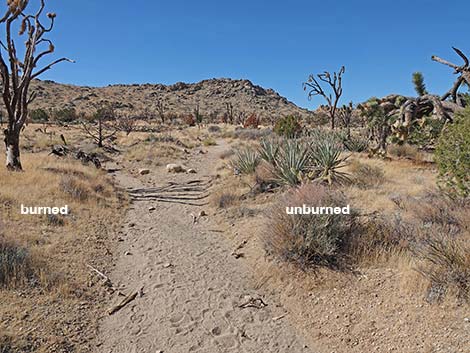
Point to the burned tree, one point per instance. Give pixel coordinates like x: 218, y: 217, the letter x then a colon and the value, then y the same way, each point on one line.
x: 17, y: 73
x: 335, y: 88
x: 102, y: 125
x: 464, y: 76
x: 161, y: 110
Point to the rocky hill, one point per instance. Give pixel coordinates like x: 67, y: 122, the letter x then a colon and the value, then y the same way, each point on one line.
x: 211, y: 96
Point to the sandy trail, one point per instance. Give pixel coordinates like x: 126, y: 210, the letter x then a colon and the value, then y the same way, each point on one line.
x: 194, y: 304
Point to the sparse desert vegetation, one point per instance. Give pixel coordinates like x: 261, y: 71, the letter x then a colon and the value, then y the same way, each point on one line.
x: 220, y: 217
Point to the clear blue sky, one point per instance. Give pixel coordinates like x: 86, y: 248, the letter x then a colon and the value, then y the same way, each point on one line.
x: 273, y: 43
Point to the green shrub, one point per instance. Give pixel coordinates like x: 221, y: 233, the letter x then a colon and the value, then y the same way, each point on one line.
x: 38, y: 115
x: 453, y: 155
x: 64, y: 115
x: 246, y: 160
x: 288, y: 126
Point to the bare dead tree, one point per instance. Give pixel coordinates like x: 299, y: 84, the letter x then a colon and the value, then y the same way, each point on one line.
x: 229, y: 116
x: 331, y: 95
x: 17, y: 73
x: 102, y: 125
x: 161, y: 109
x: 464, y: 76
x: 126, y: 123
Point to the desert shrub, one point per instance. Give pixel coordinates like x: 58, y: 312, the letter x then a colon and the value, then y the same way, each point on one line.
x: 224, y: 199
x: 38, y: 115
x: 226, y: 154
x: 189, y: 120
x: 453, y: 155
x: 309, y: 240
x: 288, y: 126
x: 403, y: 151
x: 209, y: 142
x: 365, y: 176
x: 214, y: 129
x: 446, y: 265
x: 246, y: 160
x: 379, y: 237
x: 64, y: 115
x: 16, y: 265
x: 74, y: 188
x: 251, y: 122
x: 250, y: 134
x: 356, y: 143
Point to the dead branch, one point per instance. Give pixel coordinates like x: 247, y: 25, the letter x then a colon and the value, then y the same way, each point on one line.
x: 462, y: 70
x: 332, y: 95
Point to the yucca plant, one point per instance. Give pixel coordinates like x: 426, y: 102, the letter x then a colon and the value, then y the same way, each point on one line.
x: 246, y: 160
x: 356, y: 143
x: 327, y: 161
x: 293, y: 162
x: 269, y: 150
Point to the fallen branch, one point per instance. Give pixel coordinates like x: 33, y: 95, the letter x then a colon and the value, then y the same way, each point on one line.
x: 124, y: 302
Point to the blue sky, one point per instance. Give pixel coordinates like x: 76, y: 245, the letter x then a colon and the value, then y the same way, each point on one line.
x: 274, y: 43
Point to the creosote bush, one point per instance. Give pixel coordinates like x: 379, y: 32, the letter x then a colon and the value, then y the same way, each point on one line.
x: 310, y: 240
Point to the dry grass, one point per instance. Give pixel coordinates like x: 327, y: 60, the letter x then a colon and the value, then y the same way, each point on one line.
x: 366, y: 176
x: 404, y: 151
x: 44, y: 258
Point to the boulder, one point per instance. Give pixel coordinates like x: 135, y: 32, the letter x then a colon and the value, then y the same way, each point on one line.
x: 175, y: 168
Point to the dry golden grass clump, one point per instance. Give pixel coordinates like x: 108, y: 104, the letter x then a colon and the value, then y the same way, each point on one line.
x: 365, y: 175
x: 44, y: 257
x: 404, y: 151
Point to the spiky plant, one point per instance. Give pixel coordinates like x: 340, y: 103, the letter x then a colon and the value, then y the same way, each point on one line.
x: 356, y: 143
x: 245, y: 161
x: 269, y: 150
x: 327, y: 161
x: 293, y: 162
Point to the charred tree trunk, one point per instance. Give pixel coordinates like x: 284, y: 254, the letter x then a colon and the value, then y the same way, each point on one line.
x: 12, y: 147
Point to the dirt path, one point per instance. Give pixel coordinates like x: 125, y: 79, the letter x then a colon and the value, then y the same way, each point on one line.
x: 192, y: 286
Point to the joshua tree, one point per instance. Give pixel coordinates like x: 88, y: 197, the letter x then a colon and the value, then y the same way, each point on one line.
x: 334, y: 82
x: 17, y: 73
x: 418, y: 82
x: 345, y: 114
x: 464, y: 76
x: 161, y: 108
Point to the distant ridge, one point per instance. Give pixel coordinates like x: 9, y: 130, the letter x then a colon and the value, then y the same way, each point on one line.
x: 211, y: 95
